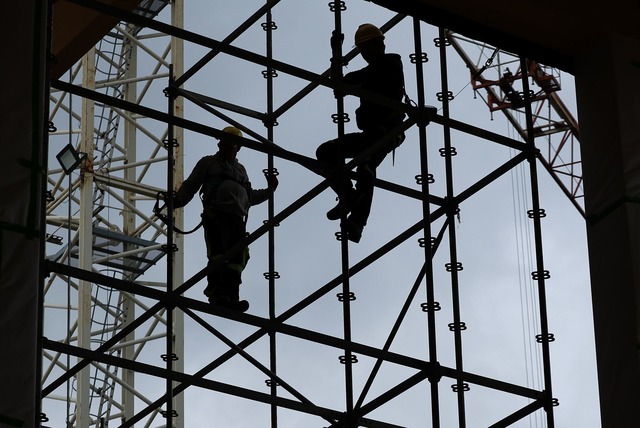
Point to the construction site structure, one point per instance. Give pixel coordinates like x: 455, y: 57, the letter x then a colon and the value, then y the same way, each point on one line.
x: 118, y: 322
x: 119, y: 304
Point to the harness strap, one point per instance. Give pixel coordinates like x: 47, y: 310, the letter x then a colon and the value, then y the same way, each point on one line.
x: 157, y: 210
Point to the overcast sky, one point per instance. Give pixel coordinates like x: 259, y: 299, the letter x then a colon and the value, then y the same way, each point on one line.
x: 494, y: 243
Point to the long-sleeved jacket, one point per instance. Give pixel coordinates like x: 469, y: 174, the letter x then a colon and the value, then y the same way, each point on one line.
x: 384, y: 76
x: 223, y: 185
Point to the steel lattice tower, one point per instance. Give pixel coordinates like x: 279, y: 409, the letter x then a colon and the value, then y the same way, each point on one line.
x: 108, y: 224
x: 108, y: 356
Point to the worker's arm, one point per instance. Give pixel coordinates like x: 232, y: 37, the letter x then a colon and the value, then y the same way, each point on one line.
x: 258, y: 196
x: 192, y: 184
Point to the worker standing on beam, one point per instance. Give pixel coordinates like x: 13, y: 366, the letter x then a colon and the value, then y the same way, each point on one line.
x: 382, y: 76
x: 226, y: 195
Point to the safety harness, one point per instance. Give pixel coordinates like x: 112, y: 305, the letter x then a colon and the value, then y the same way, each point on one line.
x: 209, y: 188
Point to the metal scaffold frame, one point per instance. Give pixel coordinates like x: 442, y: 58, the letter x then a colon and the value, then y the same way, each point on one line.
x: 98, y: 371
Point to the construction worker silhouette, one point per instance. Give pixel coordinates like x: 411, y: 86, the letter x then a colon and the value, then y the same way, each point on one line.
x: 382, y: 76
x: 226, y: 195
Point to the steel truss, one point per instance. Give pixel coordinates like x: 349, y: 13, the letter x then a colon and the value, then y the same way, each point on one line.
x: 110, y: 373
x: 108, y: 225
x: 494, y: 73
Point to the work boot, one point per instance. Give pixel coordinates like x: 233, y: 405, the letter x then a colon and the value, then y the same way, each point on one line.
x: 234, y: 303
x: 217, y: 296
x: 352, y: 229
x: 348, y: 201
x: 239, y: 305
x: 225, y: 301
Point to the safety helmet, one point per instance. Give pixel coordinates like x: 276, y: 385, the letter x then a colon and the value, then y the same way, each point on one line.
x: 366, y: 32
x: 224, y: 142
x: 232, y: 130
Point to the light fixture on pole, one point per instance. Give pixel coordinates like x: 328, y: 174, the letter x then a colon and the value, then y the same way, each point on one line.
x: 69, y: 159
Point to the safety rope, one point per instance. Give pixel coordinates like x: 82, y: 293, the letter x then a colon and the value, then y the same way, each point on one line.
x: 529, y: 313
x: 157, y: 210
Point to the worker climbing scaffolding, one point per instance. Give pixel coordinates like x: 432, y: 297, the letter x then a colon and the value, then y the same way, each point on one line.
x: 382, y: 76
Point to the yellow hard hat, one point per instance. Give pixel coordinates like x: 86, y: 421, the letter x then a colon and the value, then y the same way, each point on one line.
x: 232, y: 130
x: 366, y: 32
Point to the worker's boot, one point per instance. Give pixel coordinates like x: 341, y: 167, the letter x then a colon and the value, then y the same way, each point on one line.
x: 214, y: 291
x: 217, y: 296
x: 233, y: 294
x: 348, y: 201
x: 352, y: 229
x: 231, y: 291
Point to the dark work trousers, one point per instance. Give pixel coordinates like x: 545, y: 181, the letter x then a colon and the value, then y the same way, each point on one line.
x: 334, y: 152
x: 222, y: 231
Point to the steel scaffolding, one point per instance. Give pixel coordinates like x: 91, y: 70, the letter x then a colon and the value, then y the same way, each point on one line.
x: 111, y: 313
x: 108, y: 226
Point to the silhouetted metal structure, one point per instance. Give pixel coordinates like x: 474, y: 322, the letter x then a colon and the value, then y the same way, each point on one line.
x: 553, y: 122
x: 101, y: 354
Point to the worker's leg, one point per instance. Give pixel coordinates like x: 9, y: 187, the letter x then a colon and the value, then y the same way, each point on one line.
x: 333, y: 157
x: 365, y: 183
x: 366, y: 176
x: 333, y: 153
x: 235, y: 232
x: 365, y: 180
x: 222, y: 232
x: 361, y: 203
x: 213, y: 234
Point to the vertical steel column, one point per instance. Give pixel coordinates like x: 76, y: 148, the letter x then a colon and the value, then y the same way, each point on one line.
x: 454, y: 266
x: 177, y: 62
x: 68, y: 281
x: 424, y: 179
x: 169, y: 355
x: 337, y: 7
x: 83, y: 404
x: 272, y: 275
x: 129, y: 226
x: 540, y: 274
x: 39, y: 415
